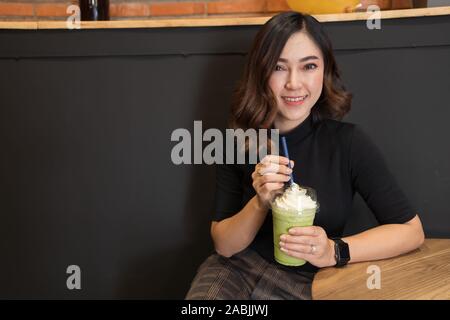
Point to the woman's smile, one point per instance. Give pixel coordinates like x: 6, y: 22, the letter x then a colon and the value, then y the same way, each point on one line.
x: 294, y: 100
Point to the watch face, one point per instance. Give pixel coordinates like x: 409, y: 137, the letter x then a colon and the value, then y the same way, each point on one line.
x: 342, y: 254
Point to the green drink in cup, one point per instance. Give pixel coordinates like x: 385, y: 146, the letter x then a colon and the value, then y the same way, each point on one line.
x: 296, y: 207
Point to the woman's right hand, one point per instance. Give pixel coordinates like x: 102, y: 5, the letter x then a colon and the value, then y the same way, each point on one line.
x: 269, y: 178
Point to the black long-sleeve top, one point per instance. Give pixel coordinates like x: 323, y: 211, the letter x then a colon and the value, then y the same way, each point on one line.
x: 336, y: 159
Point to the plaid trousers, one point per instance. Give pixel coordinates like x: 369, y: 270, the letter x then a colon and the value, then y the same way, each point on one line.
x: 248, y: 276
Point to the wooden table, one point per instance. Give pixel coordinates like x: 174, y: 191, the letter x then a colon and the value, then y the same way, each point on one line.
x: 421, y: 274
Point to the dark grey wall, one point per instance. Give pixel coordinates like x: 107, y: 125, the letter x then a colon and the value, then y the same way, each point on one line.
x: 437, y: 3
x: 85, y: 124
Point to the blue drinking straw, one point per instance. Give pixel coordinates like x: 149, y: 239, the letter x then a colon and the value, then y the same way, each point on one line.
x: 286, y: 154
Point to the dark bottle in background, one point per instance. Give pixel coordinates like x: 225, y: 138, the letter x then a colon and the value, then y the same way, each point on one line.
x: 93, y: 10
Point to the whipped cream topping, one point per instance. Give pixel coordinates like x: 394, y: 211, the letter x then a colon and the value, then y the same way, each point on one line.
x: 295, y: 198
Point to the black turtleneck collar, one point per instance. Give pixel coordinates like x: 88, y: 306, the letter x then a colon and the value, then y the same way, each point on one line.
x: 299, y: 132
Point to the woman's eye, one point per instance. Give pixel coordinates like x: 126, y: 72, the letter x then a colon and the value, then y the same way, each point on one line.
x: 310, y: 66
x: 279, y: 68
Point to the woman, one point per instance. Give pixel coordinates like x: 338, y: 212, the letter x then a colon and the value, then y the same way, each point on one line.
x: 291, y: 83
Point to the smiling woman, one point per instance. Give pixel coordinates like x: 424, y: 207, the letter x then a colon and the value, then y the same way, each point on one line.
x: 300, y: 56
x: 291, y: 83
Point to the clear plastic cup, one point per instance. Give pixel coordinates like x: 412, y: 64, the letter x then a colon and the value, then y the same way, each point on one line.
x: 292, y: 213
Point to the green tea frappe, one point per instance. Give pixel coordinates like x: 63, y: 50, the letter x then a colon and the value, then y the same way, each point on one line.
x: 296, y: 207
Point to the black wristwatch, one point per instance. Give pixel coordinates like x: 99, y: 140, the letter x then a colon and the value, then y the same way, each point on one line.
x: 341, y: 252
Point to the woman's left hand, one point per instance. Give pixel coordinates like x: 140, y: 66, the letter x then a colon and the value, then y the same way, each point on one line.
x: 309, y: 243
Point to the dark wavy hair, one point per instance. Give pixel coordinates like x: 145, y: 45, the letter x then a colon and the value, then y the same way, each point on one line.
x: 254, y: 104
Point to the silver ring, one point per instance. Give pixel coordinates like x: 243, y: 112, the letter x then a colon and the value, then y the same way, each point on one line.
x: 313, y: 249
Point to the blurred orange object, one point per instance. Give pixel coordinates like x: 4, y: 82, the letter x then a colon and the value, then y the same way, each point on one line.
x: 402, y: 4
x: 323, y: 6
